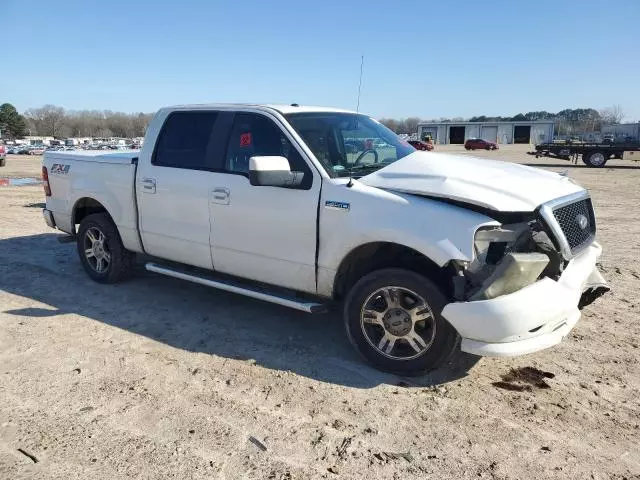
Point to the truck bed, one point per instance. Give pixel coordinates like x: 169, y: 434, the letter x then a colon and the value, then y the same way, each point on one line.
x: 106, y: 177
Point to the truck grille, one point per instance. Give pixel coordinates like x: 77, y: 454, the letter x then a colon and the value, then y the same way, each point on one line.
x: 577, y: 222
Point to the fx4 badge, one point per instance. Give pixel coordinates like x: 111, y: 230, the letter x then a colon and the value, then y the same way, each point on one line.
x: 60, y: 169
x: 333, y: 205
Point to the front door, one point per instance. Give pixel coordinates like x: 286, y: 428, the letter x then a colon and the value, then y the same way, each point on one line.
x: 266, y: 234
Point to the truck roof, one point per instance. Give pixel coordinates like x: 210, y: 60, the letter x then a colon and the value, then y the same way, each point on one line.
x: 283, y: 109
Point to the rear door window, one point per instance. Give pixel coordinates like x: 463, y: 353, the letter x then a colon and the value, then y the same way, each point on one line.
x: 187, y: 141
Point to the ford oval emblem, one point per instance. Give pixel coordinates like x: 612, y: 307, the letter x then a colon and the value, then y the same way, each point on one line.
x: 582, y: 220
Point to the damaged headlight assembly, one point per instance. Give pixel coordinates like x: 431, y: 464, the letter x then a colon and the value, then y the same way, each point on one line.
x: 507, y: 259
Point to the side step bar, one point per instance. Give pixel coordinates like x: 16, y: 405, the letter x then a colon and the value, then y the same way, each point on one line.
x: 309, y: 307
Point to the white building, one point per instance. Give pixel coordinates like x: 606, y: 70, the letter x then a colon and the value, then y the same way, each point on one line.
x: 500, y: 132
x: 36, y: 140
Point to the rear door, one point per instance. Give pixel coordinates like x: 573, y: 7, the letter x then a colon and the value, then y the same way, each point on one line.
x: 174, y: 187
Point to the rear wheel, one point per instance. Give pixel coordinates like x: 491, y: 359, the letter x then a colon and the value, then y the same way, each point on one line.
x: 594, y: 159
x: 101, y: 252
x: 393, y: 319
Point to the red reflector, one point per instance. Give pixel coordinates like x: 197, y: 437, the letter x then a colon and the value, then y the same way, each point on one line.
x: 45, y: 182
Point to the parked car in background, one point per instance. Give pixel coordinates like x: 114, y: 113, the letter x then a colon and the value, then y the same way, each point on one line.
x: 3, y: 155
x: 479, y: 144
x: 36, y: 150
x: 420, y: 145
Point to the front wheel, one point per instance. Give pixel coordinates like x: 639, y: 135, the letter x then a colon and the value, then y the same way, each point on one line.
x: 393, y: 319
x: 101, y: 251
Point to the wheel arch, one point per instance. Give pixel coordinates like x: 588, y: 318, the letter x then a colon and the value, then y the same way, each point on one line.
x: 84, y: 207
x: 372, y: 256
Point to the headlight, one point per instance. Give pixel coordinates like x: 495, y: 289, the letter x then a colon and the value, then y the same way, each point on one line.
x: 505, y: 261
x: 490, y: 244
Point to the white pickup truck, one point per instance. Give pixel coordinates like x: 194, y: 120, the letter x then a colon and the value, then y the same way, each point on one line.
x: 308, y: 207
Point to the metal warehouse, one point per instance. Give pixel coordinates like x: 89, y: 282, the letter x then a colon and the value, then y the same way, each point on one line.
x: 499, y: 132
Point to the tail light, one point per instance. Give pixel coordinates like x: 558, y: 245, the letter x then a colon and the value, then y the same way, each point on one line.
x: 45, y: 181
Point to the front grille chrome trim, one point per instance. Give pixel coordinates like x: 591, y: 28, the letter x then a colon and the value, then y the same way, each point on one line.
x: 546, y: 212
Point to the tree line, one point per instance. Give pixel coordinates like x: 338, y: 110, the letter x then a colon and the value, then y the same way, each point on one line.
x: 54, y: 121
x: 568, y: 121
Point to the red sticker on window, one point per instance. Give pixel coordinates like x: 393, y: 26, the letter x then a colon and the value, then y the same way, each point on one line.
x: 245, y: 139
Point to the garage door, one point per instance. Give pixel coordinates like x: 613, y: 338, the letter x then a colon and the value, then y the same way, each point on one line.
x: 490, y: 134
x: 456, y: 135
x: 522, y: 134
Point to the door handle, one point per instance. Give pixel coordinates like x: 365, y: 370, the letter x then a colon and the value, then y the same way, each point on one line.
x: 148, y: 185
x: 221, y: 195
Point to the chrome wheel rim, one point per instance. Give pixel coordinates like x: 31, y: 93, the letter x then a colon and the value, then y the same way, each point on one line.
x: 398, y: 323
x: 96, y: 250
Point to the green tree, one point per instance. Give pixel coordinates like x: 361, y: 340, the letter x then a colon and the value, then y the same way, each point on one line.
x: 12, y: 124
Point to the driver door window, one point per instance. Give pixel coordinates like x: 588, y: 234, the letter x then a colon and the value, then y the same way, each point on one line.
x: 254, y: 135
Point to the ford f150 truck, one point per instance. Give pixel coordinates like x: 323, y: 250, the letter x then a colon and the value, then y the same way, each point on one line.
x: 309, y: 207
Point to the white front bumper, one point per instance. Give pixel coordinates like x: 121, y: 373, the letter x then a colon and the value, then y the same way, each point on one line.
x: 531, y: 319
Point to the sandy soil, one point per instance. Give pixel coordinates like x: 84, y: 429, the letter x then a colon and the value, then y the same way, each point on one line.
x: 157, y: 378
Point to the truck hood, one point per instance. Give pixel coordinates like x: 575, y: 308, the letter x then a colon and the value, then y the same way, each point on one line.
x: 492, y: 184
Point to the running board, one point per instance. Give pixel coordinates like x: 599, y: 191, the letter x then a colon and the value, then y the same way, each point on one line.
x: 309, y: 307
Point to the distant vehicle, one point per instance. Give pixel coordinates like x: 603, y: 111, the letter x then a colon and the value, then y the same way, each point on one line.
x: 37, y: 150
x: 3, y: 155
x: 14, y: 150
x: 592, y: 154
x: 420, y: 145
x: 479, y: 144
x: 24, y: 150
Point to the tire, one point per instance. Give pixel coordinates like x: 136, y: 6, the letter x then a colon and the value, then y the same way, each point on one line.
x: 3, y: 162
x: 100, y: 228
x: 594, y: 159
x: 370, y: 332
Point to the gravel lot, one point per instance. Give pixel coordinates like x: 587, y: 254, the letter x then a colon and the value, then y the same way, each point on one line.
x: 158, y: 378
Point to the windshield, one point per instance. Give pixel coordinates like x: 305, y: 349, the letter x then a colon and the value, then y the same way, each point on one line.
x: 348, y: 143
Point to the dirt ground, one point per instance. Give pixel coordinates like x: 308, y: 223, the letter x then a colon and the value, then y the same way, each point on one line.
x: 158, y: 378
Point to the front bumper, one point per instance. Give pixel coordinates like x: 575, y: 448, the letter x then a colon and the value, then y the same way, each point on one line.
x: 534, y: 318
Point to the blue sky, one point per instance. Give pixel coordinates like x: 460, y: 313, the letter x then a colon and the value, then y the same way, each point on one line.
x: 428, y: 58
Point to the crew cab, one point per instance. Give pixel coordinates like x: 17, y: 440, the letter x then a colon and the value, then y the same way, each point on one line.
x: 314, y: 207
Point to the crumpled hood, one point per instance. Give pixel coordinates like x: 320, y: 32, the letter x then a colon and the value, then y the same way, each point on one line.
x: 496, y: 185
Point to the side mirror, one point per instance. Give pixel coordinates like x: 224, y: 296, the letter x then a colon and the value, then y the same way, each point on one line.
x: 273, y: 172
